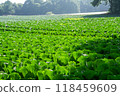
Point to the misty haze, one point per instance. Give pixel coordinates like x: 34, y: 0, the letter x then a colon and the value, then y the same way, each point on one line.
x: 42, y: 7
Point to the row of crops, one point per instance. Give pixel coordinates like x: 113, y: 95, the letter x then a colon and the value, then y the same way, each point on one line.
x: 66, y: 48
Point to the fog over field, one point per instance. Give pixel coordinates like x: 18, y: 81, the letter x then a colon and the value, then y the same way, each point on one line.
x: 48, y: 7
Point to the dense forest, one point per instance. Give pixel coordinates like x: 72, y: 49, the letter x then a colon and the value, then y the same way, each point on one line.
x: 41, y: 7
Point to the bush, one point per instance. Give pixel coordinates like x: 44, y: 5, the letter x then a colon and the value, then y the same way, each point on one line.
x: 49, y: 13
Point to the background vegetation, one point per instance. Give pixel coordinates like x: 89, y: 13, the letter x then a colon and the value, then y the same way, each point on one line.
x: 40, y: 7
x: 114, y: 5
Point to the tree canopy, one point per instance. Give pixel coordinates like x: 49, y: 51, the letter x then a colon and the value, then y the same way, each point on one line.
x: 38, y: 7
x: 114, y: 5
x: 41, y: 7
x: 86, y: 6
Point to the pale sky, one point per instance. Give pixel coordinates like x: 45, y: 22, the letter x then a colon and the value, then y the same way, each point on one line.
x: 16, y: 1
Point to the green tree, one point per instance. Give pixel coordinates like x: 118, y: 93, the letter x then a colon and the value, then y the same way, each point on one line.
x: 1, y: 9
x: 114, y: 5
x: 38, y: 7
x: 38, y: 1
x: 33, y: 7
x: 86, y: 6
x: 64, y: 6
x: 28, y: 7
x: 8, y: 8
x: 18, y: 8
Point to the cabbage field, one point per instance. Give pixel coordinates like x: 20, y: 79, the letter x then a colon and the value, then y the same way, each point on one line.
x: 59, y: 48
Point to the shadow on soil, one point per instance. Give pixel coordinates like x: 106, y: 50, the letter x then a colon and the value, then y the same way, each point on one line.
x: 101, y: 15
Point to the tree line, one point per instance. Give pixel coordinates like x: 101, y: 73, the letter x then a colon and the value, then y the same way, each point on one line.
x: 86, y: 6
x: 41, y: 7
x: 114, y: 5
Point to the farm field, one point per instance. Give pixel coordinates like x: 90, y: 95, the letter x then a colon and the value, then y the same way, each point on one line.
x: 59, y: 48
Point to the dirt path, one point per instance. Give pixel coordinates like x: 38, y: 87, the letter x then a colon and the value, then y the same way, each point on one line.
x: 90, y: 13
